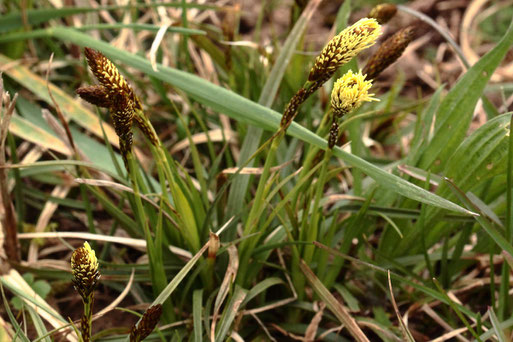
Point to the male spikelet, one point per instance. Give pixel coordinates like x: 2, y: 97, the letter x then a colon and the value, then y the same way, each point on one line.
x: 383, y: 13
x: 389, y: 52
x: 349, y: 92
x: 117, y: 95
x: 147, y: 323
x: 84, y: 267
x: 339, y: 50
x: 343, y: 47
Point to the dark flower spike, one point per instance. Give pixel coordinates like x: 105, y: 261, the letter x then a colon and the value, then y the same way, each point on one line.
x: 113, y: 93
x: 383, y: 13
x: 389, y: 52
x: 148, y: 322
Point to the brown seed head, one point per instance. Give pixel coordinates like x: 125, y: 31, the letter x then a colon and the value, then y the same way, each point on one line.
x: 343, y: 47
x: 389, y: 52
x: 383, y: 13
x: 84, y: 267
x: 148, y: 322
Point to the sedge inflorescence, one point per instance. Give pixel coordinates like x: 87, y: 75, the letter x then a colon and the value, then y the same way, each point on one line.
x: 389, y: 52
x: 349, y: 93
x: 343, y: 47
x: 115, y: 94
x: 339, y: 50
x: 84, y: 268
x: 383, y: 12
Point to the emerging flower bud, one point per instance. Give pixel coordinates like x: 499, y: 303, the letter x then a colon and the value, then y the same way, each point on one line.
x: 148, y: 322
x: 389, y: 52
x: 84, y: 267
x: 343, y: 47
x: 383, y: 13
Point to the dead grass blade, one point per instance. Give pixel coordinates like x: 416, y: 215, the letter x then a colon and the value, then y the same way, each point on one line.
x: 224, y: 289
x: 406, y: 333
x: 11, y: 244
x: 333, y: 304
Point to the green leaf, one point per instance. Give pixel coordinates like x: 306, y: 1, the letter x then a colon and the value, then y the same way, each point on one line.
x: 456, y: 110
x: 242, y: 109
x: 482, y: 155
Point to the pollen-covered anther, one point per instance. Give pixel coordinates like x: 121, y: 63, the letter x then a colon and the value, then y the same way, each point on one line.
x: 84, y: 267
x: 343, y: 47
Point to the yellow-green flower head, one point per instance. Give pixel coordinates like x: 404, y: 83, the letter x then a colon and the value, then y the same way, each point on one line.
x: 84, y: 267
x: 349, y: 92
x: 343, y: 47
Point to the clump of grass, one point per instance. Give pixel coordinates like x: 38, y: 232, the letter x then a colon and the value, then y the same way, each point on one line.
x: 349, y: 191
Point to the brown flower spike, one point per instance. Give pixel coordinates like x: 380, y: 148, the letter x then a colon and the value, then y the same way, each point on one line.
x: 389, y: 52
x: 113, y: 93
x: 383, y: 13
x: 148, y: 322
x: 84, y: 267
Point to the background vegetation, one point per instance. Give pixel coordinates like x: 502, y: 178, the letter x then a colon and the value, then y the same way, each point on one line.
x: 404, y: 233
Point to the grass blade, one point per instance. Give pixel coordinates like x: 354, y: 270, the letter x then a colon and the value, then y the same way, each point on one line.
x: 333, y: 304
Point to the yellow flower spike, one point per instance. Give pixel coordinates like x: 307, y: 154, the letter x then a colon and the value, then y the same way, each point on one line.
x: 349, y: 92
x: 84, y: 267
x: 343, y: 47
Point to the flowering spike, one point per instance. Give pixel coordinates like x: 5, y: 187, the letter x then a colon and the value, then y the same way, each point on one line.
x: 148, y: 322
x: 383, y: 13
x: 114, y: 93
x: 84, y: 267
x: 349, y: 92
x: 343, y: 47
x: 389, y: 52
